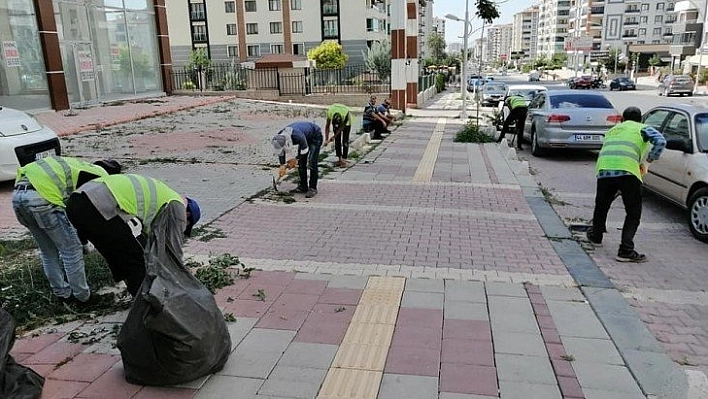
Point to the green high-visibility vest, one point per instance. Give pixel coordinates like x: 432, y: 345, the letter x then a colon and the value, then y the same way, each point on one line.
x: 340, y: 109
x: 54, y: 178
x: 140, y: 196
x: 516, y: 102
x: 623, y: 148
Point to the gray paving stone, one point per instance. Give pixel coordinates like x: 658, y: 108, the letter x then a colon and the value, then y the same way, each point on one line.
x: 630, y: 333
x: 451, y: 395
x: 592, y: 350
x: 520, y: 368
x: 250, y: 364
x: 591, y: 393
x: 423, y: 300
x: 506, y: 289
x: 293, y: 382
x: 576, y: 319
x: 605, y: 376
x: 313, y: 276
x: 519, y: 344
x: 466, y: 310
x: 223, y: 386
x: 240, y: 328
x: 508, y: 305
x: 513, y: 322
x: 526, y: 390
x: 464, y: 291
x: 351, y: 282
x: 266, y: 340
x: 397, y: 386
x: 553, y: 293
x: 658, y: 374
x: 425, y: 285
x: 317, y: 356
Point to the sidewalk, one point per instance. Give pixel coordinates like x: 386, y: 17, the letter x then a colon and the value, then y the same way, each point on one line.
x: 429, y: 269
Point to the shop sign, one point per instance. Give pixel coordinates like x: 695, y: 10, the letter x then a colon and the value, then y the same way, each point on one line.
x: 12, y: 56
x: 86, y: 65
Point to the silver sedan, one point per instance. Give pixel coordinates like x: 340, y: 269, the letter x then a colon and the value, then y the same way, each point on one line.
x: 568, y: 119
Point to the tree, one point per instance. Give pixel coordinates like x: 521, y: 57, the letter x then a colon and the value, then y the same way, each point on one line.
x: 378, y: 58
x: 487, y: 10
x: 328, y: 55
x: 198, y: 58
x: 436, y: 43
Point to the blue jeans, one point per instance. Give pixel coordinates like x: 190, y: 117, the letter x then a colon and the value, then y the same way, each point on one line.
x: 311, y: 160
x: 59, y: 245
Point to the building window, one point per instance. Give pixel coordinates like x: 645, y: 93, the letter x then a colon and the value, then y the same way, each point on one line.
x: 196, y: 12
x: 658, y: 18
x: 199, y: 33
x: 250, y: 5
x: 643, y: 20
x: 297, y: 26
x: 643, y: 31
x: 276, y: 49
x: 329, y: 7
x: 276, y: 27
x: 229, y: 7
x: 296, y: 4
x: 298, y: 49
x: 274, y: 5
x: 251, y: 29
x: 230, y: 29
x: 659, y: 6
x: 254, y: 51
x: 645, y: 7
x: 330, y: 29
x: 657, y: 31
x: 232, y: 51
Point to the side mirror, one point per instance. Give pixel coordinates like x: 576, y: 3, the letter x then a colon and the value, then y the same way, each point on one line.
x: 682, y: 145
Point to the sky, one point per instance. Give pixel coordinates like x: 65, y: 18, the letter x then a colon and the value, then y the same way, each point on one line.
x: 453, y: 29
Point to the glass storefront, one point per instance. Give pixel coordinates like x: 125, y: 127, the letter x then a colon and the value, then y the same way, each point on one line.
x: 109, y: 49
x: 23, y: 78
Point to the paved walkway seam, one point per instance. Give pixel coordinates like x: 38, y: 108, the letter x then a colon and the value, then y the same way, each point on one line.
x: 426, y: 184
x: 424, y: 173
x: 488, y: 164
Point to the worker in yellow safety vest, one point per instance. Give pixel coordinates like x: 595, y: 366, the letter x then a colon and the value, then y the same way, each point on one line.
x: 117, y: 214
x: 518, y: 109
x: 39, y: 200
x: 339, y: 117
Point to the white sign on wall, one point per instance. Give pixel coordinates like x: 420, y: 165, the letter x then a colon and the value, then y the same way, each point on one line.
x: 12, y: 56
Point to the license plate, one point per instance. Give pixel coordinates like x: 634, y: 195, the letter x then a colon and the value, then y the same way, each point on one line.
x: 588, y: 137
x: 44, y: 154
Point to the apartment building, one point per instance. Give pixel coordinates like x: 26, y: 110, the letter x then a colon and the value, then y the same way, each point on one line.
x: 688, y: 29
x: 552, y: 26
x: 426, y: 26
x: 499, y: 40
x: 525, y: 34
x: 246, y: 30
x: 439, y: 25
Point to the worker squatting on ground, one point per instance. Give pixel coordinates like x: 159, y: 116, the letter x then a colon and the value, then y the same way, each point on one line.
x: 339, y: 117
x: 518, y: 110
x: 308, y: 137
x: 116, y: 214
x: 620, y: 171
x: 39, y: 201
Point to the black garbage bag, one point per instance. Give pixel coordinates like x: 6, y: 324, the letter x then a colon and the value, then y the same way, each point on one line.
x: 16, y: 381
x: 174, y: 333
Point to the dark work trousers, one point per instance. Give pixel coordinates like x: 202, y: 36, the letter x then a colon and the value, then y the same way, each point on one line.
x: 517, y: 115
x: 311, y: 161
x: 341, y: 143
x: 112, y: 239
x: 630, y: 188
x: 377, y: 127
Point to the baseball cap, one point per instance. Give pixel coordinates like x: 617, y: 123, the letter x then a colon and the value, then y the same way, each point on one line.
x: 195, y: 213
x: 111, y: 166
x: 280, y: 142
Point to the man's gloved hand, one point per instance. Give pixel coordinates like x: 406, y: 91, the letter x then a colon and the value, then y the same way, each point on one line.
x: 643, y: 169
x: 292, y: 163
x: 281, y: 171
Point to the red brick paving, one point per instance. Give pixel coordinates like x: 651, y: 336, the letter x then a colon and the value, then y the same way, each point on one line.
x: 418, y: 337
x: 413, y: 360
x: 177, y: 142
x: 165, y: 393
x: 340, y: 296
x: 85, y: 367
x: 55, y: 389
x: 110, y: 385
x: 34, y: 344
x: 469, y: 379
x: 467, y: 351
x: 55, y: 353
x: 322, y: 332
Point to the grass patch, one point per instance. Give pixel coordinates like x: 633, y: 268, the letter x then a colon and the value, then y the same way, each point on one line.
x: 354, y: 155
x: 216, y: 275
x: 551, y: 198
x: 27, y: 296
x: 206, y: 233
x: 470, y: 133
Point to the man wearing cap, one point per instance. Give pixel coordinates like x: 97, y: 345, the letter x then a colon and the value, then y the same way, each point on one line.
x: 116, y: 214
x: 308, y: 137
x: 339, y: 117
x: 39, y: 200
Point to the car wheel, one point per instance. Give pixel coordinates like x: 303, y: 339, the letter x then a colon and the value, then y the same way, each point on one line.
x: 698, y: 214
x: 535, y: 149
x: 689, y: 94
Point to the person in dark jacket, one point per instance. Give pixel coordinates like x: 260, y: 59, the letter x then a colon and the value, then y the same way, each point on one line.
x: 373, y: 121
x: 308, y: 138
x: 518, y: 110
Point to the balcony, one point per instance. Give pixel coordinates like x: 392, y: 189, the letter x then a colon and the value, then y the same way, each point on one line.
x: 686, y: 27
x: 330, y: 9
x: 629, y: 35
x: 330, y: 33
x: 667, y: 34
x: 597, y: 10
x: 197, y: 16
x: 199, y: 37
x: 630, y: 22
x: 632, y: 10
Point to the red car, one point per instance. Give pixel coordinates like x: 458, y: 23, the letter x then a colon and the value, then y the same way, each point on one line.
x: 581, y: 82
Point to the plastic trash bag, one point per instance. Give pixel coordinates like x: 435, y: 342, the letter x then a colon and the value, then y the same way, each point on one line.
x: 174, y: 333
x: 16, y: 381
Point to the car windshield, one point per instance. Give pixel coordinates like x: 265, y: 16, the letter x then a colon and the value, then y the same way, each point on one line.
x: 494, y: 88
x: 682, y: 79
x: 528, y: 94
x: 702, y: 131
x: 579, y: 101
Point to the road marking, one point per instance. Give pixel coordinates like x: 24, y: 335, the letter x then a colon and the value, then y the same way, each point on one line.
x: 424, y: 173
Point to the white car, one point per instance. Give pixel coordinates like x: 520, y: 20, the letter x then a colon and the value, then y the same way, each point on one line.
x: 23, y: 140
x: 528, y: 91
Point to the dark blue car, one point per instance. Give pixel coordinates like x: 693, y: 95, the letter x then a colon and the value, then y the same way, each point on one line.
x: 622, y: 83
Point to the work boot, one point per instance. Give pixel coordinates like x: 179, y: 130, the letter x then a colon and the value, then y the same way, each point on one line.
x: 630, y: 256
x: 593, y: 238
x: 299, y: 190
x: 311, y: 193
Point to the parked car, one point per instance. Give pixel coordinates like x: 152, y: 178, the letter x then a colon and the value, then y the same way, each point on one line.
x: 23, y: 140
x: 534, y: 76
x: 492, y: 93
x: 622, y: 83
x: 568, y: 119
x: 681, y: 174
x: 528, y: 91
x: 582, y: 82
x: 676, y: 84
x: 474, y: 82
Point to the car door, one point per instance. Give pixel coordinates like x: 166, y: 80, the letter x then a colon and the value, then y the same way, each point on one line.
x: 667, y: 175
x: 535, y: 108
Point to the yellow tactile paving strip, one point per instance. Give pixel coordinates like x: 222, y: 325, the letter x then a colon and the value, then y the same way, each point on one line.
x: 358, y: 366
x: 424, y: 173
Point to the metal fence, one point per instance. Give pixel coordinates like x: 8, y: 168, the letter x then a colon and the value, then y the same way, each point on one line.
x: 425, y: 82
x: 303, y: 81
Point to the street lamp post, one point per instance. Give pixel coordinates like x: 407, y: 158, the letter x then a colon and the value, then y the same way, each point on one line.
x: 463, y: 78
x: 700, y: 63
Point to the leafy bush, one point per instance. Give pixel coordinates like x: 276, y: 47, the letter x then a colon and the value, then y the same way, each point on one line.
x: 440, y: 82
x: 189, y: 85
x: 470, y: 133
